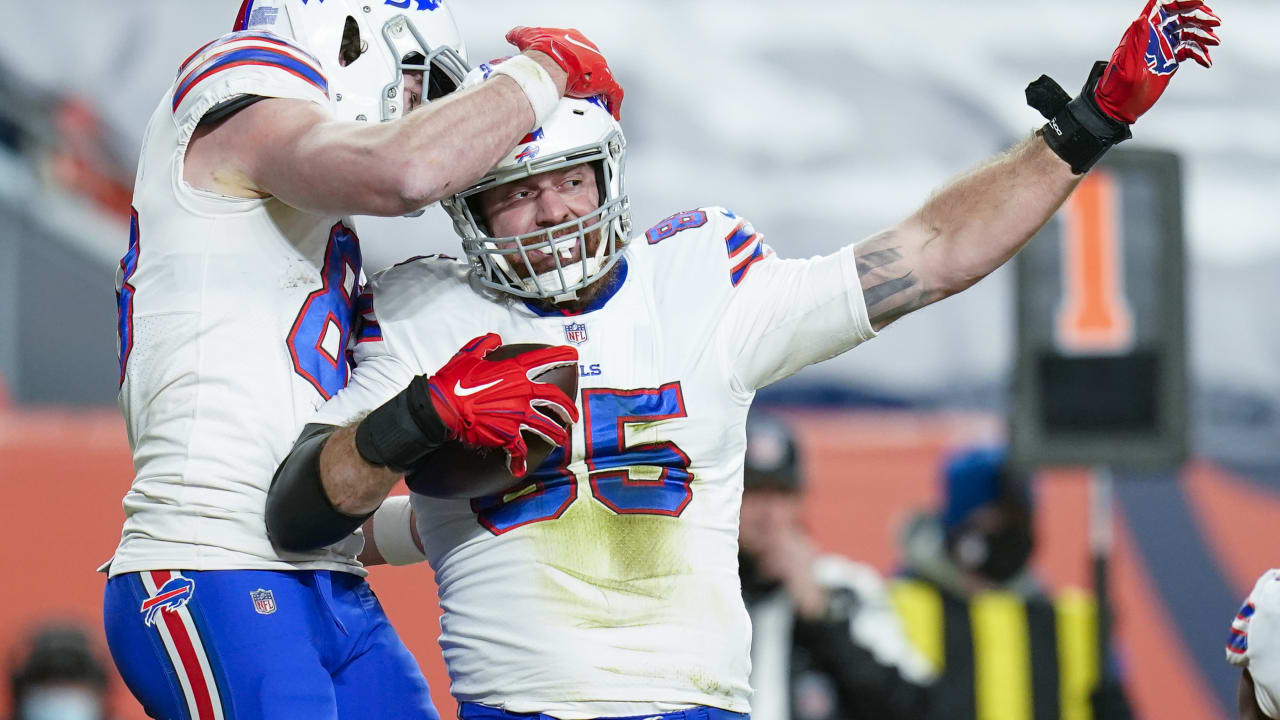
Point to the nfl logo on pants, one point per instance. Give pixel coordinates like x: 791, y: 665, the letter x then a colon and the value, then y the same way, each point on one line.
x: 263, y: 601
x: 576, y: 333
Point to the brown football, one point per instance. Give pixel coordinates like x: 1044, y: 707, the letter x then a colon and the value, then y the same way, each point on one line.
x: 459, y: 471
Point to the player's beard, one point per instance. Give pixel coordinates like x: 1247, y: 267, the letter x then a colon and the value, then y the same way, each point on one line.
x: 546, y: 263
x: 585, y: 296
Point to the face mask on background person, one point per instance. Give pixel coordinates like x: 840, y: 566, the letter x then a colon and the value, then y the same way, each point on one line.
x: 997, y: 555
x: 60, y: 703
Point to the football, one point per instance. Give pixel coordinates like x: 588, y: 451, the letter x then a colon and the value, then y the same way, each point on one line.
x: 458, y: 471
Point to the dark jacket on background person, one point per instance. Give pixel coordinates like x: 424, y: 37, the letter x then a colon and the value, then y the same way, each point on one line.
x: 853, y: 663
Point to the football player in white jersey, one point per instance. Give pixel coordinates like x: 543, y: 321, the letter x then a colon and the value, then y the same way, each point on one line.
x: 1254, y: 646
x: 605, y: 584
x: 237, y: 298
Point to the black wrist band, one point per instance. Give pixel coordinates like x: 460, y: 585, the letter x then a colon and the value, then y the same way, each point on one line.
x: 1078, y: 130
x: 403, y: 430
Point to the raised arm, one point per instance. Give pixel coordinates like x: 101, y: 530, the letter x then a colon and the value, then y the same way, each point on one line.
x: 979, y: 220
x: 965, y: 231
x: 292, y: 150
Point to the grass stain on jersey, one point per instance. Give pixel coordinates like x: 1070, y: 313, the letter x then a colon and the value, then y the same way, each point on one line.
x: 612, y: 570
x: 624, y: 586
x: 623, y: 582
x: 707, y: 686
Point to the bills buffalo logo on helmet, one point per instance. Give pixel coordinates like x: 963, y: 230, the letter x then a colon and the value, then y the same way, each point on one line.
x: 532, y: 150
x: 171, y: 597
x: 527, y: 153
x: 1162, y: 36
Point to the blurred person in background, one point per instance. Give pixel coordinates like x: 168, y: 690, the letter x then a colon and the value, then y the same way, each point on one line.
x: 59, y: 677
x: 1253, y: 645
x: 1002, y: 647
x: 236, y: 302
x: 826, y: 642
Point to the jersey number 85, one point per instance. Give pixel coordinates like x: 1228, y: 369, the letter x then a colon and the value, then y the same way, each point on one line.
x: 610, y: 463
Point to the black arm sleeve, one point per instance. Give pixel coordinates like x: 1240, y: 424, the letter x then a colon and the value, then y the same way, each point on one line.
x: 868, y: 689
x: 300, y: 517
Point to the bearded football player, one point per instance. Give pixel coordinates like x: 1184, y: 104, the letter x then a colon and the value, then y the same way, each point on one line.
x: 602, y: 582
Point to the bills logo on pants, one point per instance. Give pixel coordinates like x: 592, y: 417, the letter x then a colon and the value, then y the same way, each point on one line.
x: 171, y: 597
x: 166, y: 610
x: 314, y: 644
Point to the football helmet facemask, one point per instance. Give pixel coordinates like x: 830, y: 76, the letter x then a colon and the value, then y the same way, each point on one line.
x: 365, y: 47
x: 578, y: 131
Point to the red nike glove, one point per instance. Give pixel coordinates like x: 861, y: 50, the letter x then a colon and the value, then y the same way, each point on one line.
x: 488, y: 402
x: 1166, y: 33
x: 589, y: 74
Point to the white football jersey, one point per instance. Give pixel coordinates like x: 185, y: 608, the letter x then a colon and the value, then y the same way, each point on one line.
x: 234, y: 320
x: 608, y: 584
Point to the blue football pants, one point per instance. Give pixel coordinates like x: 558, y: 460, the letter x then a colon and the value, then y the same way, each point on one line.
x: 251, y: 644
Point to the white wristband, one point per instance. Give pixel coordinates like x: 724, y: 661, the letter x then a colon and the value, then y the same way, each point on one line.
x: 393, y: 532
x: 536, y: 83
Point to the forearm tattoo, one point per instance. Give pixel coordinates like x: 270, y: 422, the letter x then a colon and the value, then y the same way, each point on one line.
x: 889, y: 285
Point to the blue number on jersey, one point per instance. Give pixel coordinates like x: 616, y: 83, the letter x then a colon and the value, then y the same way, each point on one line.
x: 609, y: 458
x: 124, y: 296
x: 422, y: 4
x: 326, y: 311
x: 674, y: 224
x: 554, y: 490
x: 609, y: 464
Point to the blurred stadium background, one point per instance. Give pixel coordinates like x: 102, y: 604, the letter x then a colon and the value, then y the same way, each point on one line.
x: 822, y: 121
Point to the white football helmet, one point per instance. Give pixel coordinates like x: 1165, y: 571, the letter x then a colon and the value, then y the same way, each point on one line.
x: 578, y: 131
x: 366, y: 46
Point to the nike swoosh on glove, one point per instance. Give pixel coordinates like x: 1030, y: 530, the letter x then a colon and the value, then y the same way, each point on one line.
x: 488, y: 403
x: 589, y: 74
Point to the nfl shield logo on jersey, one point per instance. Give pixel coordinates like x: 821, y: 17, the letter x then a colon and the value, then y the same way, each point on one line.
x: 263, y: 601
x: 576, y: 333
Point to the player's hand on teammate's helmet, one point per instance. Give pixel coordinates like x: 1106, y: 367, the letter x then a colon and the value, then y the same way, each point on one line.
x: 589, y: 74
x: 1166, y: 33
x: 488, y: 403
